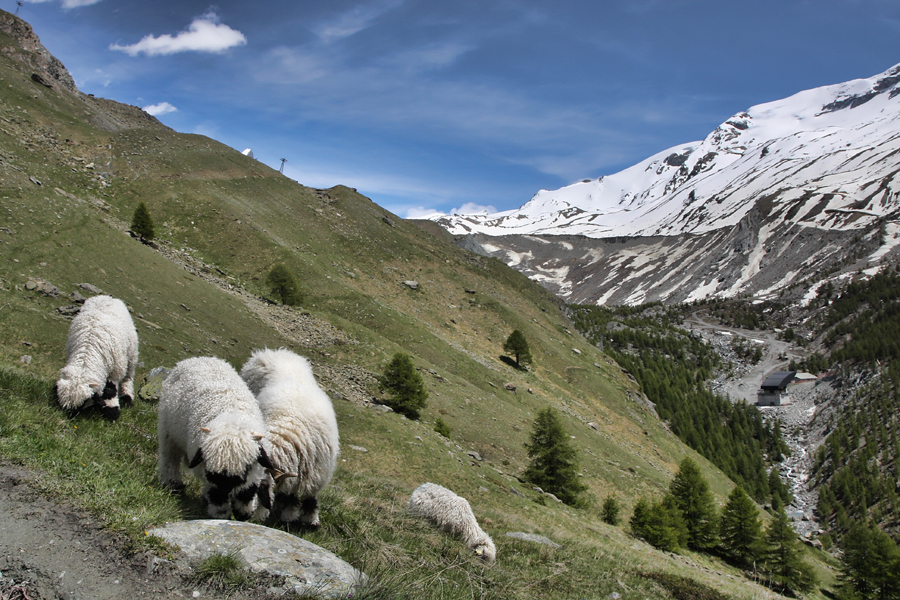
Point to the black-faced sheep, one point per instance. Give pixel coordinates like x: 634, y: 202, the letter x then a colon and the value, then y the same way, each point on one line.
x: 209, y: 419
x: 101, y: 355
x: 452, y: 514
x: 303, y: 432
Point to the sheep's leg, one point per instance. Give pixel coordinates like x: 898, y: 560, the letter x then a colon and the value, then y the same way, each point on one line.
x: 109, y: 402
x: 126, y: 388
x: 218, y: 505
x: 289, y: 506
x: 244, y: 502
x: 169, y: 466
x: 309, y: 509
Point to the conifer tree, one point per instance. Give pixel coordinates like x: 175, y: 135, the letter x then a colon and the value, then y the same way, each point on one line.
x: 406, y: 386
x: 693, y: 497
x: 142, y: 223
x: 517, y: 345
x: 782, y: 556
x: 554, y: 462
x: 740, y: 534
x: 283, y: 286
x: 659, y: 524
x: 610, y: 511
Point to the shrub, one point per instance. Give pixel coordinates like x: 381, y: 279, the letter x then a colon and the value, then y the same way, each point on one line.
x: 610, y: 511
x: 442, y: 428
x: 141, y: 223
x: 405, y: 385
x: 282, y: 285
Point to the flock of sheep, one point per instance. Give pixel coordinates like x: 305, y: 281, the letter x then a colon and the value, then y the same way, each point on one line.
x: 262, y: 441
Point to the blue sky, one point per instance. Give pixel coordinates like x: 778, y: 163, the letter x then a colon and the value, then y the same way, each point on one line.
x: 459, y: 105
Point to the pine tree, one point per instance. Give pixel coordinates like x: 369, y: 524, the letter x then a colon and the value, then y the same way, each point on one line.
x: 554, y: 462
x: 610, y: 511
x: 740, y: 533
x: 782, y: 556
x: 660, y: 524
x: 283, y: 286
x: 517, y: 345
x: 406, y: 386
x: 142, y: 223
x: 693, y: 497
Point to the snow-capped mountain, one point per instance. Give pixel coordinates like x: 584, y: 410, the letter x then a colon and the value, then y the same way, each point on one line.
x: 824, y: 160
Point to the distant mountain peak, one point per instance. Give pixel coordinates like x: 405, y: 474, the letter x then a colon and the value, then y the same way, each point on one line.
x: 833, y: 141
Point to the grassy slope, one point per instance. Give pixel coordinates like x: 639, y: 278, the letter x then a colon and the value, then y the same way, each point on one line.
x: 242, y: 217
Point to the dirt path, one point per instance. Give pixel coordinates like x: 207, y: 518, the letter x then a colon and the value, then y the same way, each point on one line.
x: 49, y: 550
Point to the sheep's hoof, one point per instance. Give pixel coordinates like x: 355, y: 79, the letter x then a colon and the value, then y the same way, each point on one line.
x: 126, y: 400
x: 110, y: 413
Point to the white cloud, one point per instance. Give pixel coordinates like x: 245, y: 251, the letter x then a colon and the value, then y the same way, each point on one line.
x: 204, y: 34
x: 163, y: 108
x: 471, y: 208
x: 353, y: 21
x: 68, y: 3
x: 420, y: 212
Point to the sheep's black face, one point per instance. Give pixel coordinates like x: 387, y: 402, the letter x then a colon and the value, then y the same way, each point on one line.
x: 224, y: 482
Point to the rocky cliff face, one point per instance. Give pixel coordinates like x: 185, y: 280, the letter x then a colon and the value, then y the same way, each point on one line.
x: 19, y: 43
x: 774, y: 195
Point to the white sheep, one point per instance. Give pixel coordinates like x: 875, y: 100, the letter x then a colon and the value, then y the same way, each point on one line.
x: 452, y: 514
x: 209, y: 419
x: 303, y: 432
x: 101, y: 355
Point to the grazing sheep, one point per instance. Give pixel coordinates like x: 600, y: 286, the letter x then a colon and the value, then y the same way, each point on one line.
x: 209, y: 419
x: 452, y: 513
x: 101, y: 355
x: 303, y: 432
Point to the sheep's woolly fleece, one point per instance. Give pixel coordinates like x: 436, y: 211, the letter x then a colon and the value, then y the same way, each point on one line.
x: 208, y: 393
x: 303, y: 431
x: 452, y: 513
x: 102, y: 347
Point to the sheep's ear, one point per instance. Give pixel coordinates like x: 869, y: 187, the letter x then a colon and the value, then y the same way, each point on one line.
x: 257, y: 436
x: 479, y: 551
x: 198, y: 458
x: 205, y: 429
x: 264, y: 459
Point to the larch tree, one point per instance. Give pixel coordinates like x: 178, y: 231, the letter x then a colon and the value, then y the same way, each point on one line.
x: 693, y: 497
x: 142, y: 223
x: 740, y: 533
x: 554, y: 462
x: 517, y: 345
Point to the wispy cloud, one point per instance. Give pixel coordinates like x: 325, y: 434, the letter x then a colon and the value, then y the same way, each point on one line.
x: 353, y: 21
x: 68, y: 3
x: 204, y: 34
x: 162, y: 108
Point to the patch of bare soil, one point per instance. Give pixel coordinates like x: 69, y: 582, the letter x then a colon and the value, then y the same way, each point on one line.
x: 49, y: 550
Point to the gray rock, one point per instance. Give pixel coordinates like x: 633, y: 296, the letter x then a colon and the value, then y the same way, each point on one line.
x: 475, y: 455
x: 44, y: 287
x: 78, y: 298
x: 69, y: 311
x: 90, y: 288
x: 309, y: 568
x: 532, y: 537
x: 413, y: 285
x: 151, y: 384
x: 25, y: 359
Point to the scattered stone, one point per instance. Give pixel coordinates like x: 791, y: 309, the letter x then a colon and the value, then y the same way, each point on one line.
x: 35, y: 181
x: 44, y: 287
x: 78, y: 298
x: 382, y: 408
x: 532, y: 537
x: 308, y: 568
x: 468, y: 291
x: 475, y: 455
x: 151, y: 384
x: 357, y: 448
x: 576, y: 350
x: 69, y: 311
x: 185, y: 308
x: 593, y: 425
x: 90, y: 288
x: 614, y: 596
x: 510, y: 386
x: 516, y: 492
x: 25, y: 359
x: 413, y: 285
x: 387, y: 221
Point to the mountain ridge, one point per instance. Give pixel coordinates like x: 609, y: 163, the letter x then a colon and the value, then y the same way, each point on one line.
x: 822, y: 163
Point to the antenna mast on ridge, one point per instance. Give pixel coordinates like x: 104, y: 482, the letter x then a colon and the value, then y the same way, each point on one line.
x: 281, y: 170
x: 18, y: 6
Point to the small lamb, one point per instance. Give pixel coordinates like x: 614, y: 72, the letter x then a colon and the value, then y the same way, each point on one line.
x: 209, y: 419
x: 303, y: 431
x: 101, y: 356
x: 452, y: 514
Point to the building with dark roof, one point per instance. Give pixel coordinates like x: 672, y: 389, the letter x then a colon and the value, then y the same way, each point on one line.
x: 773, y: 387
